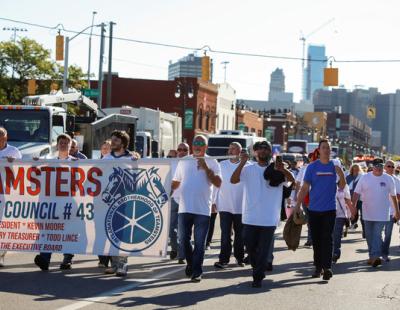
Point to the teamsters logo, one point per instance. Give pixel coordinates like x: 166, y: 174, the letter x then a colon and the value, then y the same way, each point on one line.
x: 135, y: 196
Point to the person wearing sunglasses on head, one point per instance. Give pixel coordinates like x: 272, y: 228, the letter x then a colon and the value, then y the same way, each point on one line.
x: 176, y: 249
x: 195, y: 177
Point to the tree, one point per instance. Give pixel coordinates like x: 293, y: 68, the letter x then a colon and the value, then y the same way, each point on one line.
x: 27, y: 59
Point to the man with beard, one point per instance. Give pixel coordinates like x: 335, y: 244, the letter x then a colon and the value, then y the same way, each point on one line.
x: 261, y: 206
x: 119, y: 150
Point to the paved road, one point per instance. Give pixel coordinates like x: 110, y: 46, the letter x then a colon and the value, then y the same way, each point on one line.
x: 155, y: 284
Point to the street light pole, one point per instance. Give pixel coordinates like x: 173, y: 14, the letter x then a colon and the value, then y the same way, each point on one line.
x: 100, y: 83
x: 185, y: 89
x: 90, y: 48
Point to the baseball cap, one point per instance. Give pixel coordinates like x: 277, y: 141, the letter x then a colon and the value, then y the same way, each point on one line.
x: 377, y: 162
x: 262, y: 144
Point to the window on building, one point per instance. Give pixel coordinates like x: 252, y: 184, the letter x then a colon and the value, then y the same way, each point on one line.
x: 200, y: 119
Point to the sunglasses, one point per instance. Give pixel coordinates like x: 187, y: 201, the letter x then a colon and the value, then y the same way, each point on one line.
x: 183, y: 150
x: 199, y: 143
x: 388, y: 166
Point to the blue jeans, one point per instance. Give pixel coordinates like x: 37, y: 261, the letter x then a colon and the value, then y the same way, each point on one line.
x: 258, y: 241
x: 388, y: 228
x: 199, y: 224
x: 337, y: 235
x: 270, y: 256
x: 373, y: 234
x: 47, y: 257
x: 227, y: 222
x: 174, y: 231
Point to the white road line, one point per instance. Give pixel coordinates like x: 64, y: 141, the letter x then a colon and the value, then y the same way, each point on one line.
x: 137, y: 282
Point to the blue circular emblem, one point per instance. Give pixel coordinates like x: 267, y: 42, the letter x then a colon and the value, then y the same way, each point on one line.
x: 133, y: 223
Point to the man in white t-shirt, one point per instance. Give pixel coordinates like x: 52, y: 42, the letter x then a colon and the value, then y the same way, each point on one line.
x: 229, y: 206
x: 261, y: 206
x: 378, y: 191
x: 9, y: 153
x: 195, y: 178
x: 176, y: 249
x: 119, y: 150
x: 388, y: 228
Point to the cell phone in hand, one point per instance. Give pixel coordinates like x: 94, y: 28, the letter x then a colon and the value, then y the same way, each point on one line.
x: 279, y: 159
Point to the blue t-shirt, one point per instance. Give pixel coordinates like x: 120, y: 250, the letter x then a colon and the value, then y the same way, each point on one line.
x: 322, y: 179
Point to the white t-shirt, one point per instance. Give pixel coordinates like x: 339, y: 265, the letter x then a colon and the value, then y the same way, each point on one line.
x: 341, y: 208
x: 261, y: 202
x: 176, y: 192
x: 397, y: 186
x: 10, y: 151
x: 230, y: 198
x: 376, y: 192
x: 112, y: 156
x: 196, y: 189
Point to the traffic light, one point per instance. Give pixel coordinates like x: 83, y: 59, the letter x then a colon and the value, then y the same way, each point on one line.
x: 331, y: 77
x: 59, y: 47
x: 31, y: 87
x: 205, y: 68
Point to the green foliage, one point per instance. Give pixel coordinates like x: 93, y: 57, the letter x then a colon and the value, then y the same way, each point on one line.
x: 27, y: 59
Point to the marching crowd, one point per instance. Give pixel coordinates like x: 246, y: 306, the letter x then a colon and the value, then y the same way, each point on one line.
x: 251, y: 196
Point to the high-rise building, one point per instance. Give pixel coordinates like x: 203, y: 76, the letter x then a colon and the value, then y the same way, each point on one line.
x: 313, y: 75
x: 188, y: 66
x: 277, y: 88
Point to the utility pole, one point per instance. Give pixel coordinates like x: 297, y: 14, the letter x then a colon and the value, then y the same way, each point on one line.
x: 90, y: 48
x: 100, y: 83
x: 109, y: 75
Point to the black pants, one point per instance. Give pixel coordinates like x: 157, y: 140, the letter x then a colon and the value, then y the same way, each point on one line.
x: 322, y: 225
x: 258, y: 242
x: 227, y: 222
x: 211, y: 228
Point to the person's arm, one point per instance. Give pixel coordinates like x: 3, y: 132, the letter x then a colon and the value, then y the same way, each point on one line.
x: 302, y: 194
x: 211, y: 176
x: 355, y: 198
x: 342, y: 179
x: 395, y: 205
x: 235, y: 178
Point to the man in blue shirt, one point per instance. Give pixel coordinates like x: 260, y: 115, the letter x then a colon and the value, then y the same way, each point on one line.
x: 320, y: 181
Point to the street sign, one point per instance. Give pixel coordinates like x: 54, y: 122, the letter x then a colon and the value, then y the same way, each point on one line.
x: 90, y: 92
x: 188, y: 120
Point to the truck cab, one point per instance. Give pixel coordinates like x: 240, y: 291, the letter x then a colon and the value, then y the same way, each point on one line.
x: 33, y: 129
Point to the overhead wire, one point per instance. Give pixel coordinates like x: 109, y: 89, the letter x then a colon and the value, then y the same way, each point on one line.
x: 205, y: 48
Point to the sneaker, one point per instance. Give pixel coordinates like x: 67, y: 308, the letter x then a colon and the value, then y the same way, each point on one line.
x: 256, y: 283
x: 327, y: 274
x: 173, y: 255
x: 41, y: 263
x: 335, y: 258
x: 269, y: 267
x: 376, y: 262
x: 188, y: 271
x: 208, y: 247
x: 317, y: 273
x: 65, y: 265
x: 370, y: 261
x: 111, y: 270
x: 181, y: 261
x: 196, y: 279
x: 240, y: 263
x: 246, y: 260
x: 386, y: 258
x: 101, y: 265
x: 308, y: 244
x: 122, y: 270
x: 2, y: 261
x: 220, y: 265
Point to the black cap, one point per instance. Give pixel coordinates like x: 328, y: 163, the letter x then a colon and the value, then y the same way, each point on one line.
x: 377, y: 162
x: 261, y: 144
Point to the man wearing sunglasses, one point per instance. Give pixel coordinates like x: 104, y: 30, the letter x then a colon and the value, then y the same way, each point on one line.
x: 389, y: 169
x: 195, y: 177
x: 176, y: 250
x: 261, y: 207
x: 378, y: 192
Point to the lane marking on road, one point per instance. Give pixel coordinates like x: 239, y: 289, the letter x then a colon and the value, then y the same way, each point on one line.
x: 137, y: 282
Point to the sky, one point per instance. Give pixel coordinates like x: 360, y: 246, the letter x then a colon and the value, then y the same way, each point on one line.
x: 361, y: 29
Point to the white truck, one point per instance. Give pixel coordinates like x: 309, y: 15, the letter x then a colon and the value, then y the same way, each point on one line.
x: 157, y: 131
x: 34, y: 126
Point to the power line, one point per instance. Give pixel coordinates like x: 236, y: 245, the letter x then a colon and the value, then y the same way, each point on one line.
x: 206, y: 47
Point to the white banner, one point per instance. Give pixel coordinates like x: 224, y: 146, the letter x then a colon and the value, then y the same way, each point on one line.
x: 85, y: 207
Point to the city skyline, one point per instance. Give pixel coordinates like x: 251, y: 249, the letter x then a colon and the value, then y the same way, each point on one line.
x: 351, y: 36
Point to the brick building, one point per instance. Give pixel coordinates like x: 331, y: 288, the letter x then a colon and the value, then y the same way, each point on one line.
x: 249, y: 121
x: 200, y: 110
